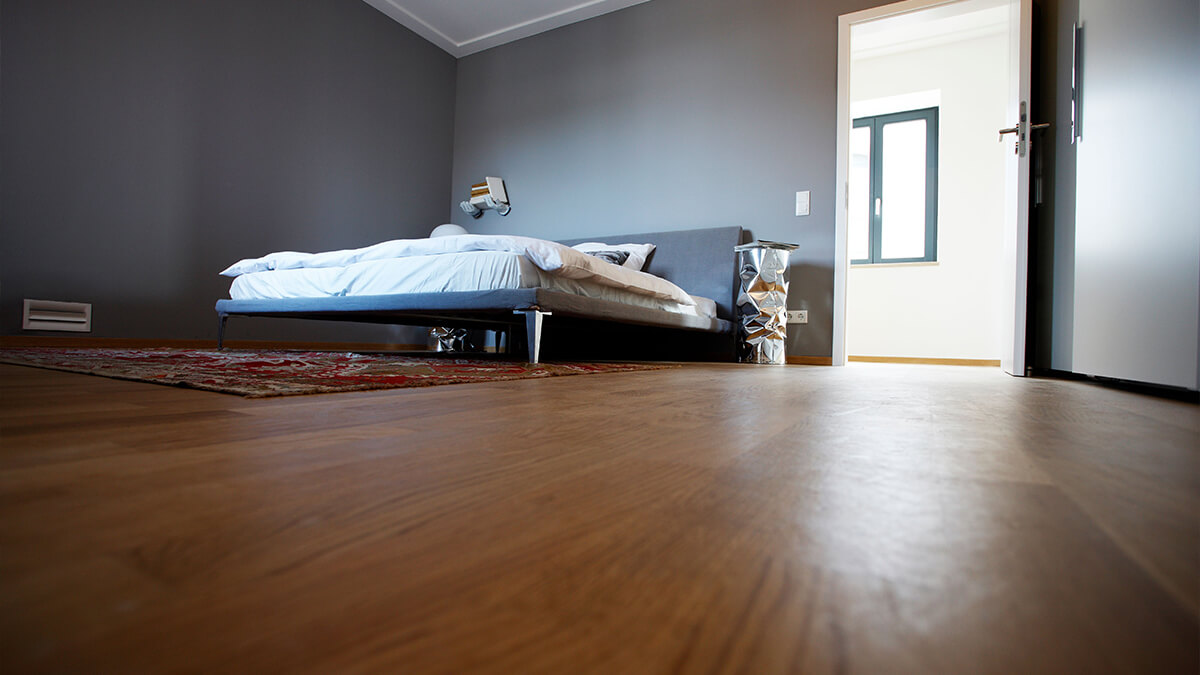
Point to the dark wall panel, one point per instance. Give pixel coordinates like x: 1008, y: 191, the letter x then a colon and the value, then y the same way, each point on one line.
x: 672, y: 114
x: 145, y: 145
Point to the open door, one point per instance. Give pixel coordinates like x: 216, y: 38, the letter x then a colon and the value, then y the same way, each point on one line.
x: 1016, y: 186
x: 1016, y: 139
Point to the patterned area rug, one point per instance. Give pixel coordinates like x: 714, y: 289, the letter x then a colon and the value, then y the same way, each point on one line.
x: 258, y: 374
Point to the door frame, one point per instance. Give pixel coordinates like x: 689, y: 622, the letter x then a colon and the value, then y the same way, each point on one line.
x: 841, y: 264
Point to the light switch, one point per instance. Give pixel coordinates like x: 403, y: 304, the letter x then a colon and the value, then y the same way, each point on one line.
x: 802, y: 203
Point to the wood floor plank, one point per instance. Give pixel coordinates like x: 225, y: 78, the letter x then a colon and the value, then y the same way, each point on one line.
x: 706, y: 519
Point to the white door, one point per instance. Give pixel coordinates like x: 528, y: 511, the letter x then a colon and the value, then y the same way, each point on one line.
x: 1017, y: 137
x: 1016, y: 229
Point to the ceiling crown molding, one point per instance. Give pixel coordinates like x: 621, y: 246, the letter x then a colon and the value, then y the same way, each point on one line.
x: 428, y: 26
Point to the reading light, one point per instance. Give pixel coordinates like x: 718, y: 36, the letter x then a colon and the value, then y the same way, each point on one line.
x: 489, y: 194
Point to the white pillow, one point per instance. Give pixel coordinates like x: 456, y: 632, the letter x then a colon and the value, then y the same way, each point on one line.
x: 280, y: 260
x: 638, y: 253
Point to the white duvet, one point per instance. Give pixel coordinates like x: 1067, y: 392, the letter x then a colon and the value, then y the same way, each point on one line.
x: 547, y: 256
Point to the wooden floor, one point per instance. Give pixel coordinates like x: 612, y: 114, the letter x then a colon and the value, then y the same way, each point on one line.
x: 740, y: 519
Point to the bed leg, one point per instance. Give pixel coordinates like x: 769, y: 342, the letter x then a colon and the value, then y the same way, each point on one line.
x: 533, y: 331
x: 221, y: 319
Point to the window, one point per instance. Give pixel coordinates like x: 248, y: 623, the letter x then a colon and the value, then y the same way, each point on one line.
x: 893, y: 188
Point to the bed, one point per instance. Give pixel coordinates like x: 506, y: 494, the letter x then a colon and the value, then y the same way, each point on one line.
x: 700, y: 262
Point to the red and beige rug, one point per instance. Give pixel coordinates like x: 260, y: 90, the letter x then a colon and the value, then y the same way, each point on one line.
x: 257, y: 374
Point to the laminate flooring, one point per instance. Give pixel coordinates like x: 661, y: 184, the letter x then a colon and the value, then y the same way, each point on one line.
x: 705, y: 519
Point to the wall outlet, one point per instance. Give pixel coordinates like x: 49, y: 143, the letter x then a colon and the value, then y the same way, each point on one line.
x: 797, y: 316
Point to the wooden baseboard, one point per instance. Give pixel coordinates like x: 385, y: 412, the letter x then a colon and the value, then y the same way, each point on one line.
x: 988, y: 363
x: 811, y: 360
x: 18, y: 341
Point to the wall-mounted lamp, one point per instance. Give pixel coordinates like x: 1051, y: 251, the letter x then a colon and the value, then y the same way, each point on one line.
x: 489, y: 194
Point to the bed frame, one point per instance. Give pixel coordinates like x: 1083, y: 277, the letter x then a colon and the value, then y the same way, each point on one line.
x: 698, y: 261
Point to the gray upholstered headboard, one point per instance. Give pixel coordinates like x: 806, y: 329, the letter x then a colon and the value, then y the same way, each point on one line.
x: 700, y: 262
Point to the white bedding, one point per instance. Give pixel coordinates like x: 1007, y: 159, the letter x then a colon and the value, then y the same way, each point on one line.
x: 470, y: 271
x: 561, y: 262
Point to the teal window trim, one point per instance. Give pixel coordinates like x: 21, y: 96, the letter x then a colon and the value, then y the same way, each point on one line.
x: 875, y: 234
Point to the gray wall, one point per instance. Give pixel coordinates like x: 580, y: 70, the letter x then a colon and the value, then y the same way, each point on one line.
x: 1125, y: 236
x: 174, y: 137
x: 693, y: 113
x: 672, y: 114
x: 1137, y: 230
x: 145, y: 145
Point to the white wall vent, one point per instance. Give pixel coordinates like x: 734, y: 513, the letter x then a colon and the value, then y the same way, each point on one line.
x: 53, y: 315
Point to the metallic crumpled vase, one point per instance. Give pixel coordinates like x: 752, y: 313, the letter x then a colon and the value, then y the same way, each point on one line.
x: 762, y: 302
x: 451, y: 339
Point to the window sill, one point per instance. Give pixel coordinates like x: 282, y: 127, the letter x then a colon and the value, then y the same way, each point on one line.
x: 923, y: 263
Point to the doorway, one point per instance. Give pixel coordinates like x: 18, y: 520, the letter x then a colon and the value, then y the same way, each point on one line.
x: 925, y: 191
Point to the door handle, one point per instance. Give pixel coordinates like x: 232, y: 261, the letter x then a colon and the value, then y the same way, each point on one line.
x: 1020, y: 133
x: 1017, y: 129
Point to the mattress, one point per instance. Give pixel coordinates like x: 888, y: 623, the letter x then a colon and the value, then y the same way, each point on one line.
x: 469, y: 271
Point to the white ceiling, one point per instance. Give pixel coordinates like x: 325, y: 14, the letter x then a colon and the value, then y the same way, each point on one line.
x: 926, y: 28
x: 464, y: 27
